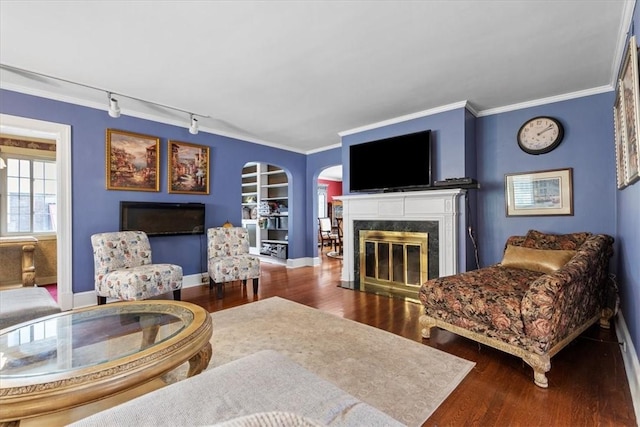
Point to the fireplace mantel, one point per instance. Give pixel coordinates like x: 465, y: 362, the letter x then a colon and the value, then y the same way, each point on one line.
x: 431, y: 205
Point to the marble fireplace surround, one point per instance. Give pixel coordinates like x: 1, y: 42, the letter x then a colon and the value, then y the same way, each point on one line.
x: 433, y: 211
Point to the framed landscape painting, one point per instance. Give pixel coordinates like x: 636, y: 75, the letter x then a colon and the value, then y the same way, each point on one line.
x: 188, y: 168
x: 539, y: 193
x: 629, y: 92
x: 620, y: 146
x: 132, y: 161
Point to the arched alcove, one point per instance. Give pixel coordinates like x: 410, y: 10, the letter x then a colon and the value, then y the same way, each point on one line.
x: 265, y: 209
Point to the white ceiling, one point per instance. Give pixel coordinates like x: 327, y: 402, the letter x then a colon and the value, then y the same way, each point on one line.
x: 293, y: 74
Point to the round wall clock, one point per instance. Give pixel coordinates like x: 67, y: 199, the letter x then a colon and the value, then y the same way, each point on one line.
x: 540, y: 135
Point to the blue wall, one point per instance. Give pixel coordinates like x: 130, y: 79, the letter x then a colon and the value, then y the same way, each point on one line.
x: 628, y: 235
x: 587, y: 148
x: 315, y: 164
x: 96, y: 209
x: 483, y: 147
x: 453, y: 155
x: 447, y: 135
x: 486, y: 148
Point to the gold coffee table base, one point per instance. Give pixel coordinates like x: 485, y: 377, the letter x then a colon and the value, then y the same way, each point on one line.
x: 143, y: 341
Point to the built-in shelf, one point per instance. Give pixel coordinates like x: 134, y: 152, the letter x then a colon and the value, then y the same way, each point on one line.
x: 269, y: 236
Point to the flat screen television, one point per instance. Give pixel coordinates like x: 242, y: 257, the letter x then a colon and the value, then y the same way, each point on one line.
x: 162, y: 219
x: 398, y: 163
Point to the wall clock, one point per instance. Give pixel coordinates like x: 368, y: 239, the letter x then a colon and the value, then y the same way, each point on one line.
x: 540, y: 135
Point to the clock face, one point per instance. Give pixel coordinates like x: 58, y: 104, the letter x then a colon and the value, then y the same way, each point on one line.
x: 540, y: 135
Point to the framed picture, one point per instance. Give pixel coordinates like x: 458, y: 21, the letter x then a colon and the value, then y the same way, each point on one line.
x: 630, y: 95
x: 132, y: 161
x: 188, y: 168
x: 539, y: 193
x: 619, y: 133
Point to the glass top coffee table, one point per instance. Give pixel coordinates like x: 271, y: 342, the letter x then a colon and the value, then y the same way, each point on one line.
x: 73, y: 358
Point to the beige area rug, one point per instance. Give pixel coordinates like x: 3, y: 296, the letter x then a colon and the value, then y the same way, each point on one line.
x: 403, y: 378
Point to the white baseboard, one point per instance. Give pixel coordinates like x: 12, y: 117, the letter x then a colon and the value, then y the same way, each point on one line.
x: 631, y: 364
x: 191, y: 280
x: 299, y: 262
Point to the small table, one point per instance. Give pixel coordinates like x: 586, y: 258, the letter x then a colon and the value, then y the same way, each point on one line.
x: 73, y: 358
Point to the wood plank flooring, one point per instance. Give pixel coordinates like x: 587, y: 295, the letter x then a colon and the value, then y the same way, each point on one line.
x: 587, y: 381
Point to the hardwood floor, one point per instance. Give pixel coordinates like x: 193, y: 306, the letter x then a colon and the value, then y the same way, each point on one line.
x: 587, y: 381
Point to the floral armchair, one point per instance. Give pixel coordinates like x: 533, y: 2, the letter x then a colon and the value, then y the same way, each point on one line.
x: 124, y: 270
x: 546, y: 291
x: 228, y: 258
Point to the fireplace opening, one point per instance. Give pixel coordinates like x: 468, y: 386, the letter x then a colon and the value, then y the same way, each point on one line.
x: 393, y: 263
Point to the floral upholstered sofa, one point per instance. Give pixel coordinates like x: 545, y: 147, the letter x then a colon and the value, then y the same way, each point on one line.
x: 546, y: 291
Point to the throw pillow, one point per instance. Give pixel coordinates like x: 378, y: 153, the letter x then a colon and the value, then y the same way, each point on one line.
x: 538, y: 240
x: 542, y: 260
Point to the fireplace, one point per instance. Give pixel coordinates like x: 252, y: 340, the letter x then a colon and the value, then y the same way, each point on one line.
x: 393, y: 262
x: 434, y: 213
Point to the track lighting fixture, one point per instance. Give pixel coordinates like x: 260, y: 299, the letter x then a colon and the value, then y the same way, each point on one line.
x: 193, y: 129
x: 114, y: 109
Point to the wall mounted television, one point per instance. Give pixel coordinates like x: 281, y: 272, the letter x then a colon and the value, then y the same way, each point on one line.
x: 162, y: 219
x: 399, y: 163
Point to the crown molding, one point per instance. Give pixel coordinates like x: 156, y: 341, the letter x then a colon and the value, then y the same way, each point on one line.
x: 400, y: 119
x: 133, y: 113
x: 543, y: 101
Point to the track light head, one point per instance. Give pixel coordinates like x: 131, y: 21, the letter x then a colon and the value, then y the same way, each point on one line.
x: 193, y: 129
x: 114, y: 109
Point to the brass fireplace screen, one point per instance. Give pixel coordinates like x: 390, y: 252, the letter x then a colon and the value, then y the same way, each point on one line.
x: 393, y: 262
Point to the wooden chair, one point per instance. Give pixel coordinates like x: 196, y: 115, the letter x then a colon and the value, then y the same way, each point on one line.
x: 339, y: 242
x: 326, y: 233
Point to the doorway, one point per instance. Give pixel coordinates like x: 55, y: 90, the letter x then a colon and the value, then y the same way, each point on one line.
x: 329, y: 185
x: 61, y: 134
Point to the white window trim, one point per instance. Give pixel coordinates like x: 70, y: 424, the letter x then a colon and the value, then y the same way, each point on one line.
x: 4, y: 195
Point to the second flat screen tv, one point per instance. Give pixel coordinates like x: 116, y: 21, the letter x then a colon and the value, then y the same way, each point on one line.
x: 393, y: 164
x: 162, y: 219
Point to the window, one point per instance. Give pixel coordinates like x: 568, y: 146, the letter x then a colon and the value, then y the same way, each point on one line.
x: 29, y: 196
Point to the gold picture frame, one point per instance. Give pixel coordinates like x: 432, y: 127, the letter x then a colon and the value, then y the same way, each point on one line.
x: 629, y: 92
x: 548, y: 192
x: 132, y: 161
x: 188, y: 166
x: 618, y: 138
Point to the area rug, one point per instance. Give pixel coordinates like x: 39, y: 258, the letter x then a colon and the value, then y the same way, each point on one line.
x: 334, y: 254
x: 403, y: 378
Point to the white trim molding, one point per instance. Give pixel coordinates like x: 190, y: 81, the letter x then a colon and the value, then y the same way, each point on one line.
x: 61, y: 133
x: 430, y: 205
x: 631, y: 364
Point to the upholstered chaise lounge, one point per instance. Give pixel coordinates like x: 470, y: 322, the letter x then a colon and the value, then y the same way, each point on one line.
x: 546, y: 291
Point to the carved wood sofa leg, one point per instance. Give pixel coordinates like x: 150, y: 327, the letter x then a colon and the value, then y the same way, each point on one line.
x: 427, y: 323
x: 605, y: 318
x: 541, y: 365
